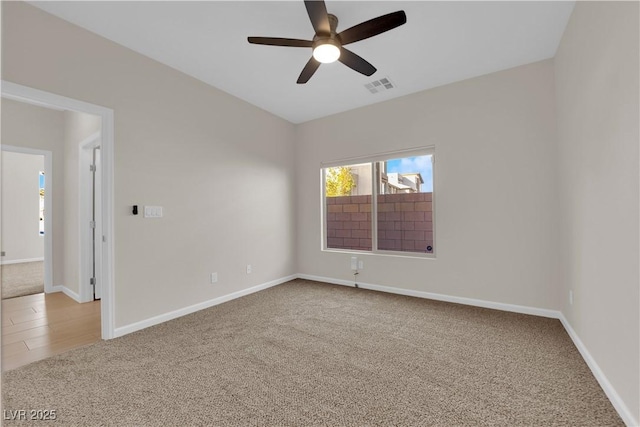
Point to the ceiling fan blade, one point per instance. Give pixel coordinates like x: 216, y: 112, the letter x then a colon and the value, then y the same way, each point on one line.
x: 373, y: 27
x: 278, y: 41
x: 317, y: 11
x: 308, y: 71
x: 355, y: 62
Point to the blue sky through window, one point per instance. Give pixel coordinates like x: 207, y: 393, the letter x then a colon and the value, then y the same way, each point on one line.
x: 421, y: 164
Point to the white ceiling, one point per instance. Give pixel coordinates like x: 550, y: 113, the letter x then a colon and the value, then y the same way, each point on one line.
x: 442, y: 42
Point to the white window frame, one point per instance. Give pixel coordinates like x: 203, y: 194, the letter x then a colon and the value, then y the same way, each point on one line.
x: 373, y: 159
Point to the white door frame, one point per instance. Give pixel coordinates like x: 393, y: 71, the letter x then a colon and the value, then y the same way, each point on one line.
x: 34, y: 96
x: 48, y: 218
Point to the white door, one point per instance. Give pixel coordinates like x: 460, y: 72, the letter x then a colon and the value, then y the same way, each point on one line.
x: 91, y: 235
x: 97, y: 219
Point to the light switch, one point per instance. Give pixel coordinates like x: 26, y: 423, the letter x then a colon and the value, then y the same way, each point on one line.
x: 153, y: 211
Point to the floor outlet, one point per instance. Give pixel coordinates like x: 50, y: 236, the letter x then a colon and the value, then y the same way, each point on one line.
x: 214, y: 278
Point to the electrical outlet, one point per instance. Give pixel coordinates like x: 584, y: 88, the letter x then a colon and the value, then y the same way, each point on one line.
x: 360, y: 265
x: 249, y: 269
x: 570, y: 297
x: 354, y: 263
x: 214, y: 278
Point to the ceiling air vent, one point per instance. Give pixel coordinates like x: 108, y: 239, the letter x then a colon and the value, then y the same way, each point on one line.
x: 381, y: 85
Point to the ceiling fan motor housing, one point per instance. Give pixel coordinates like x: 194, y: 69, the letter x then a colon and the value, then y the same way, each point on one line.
x: 331, y: 38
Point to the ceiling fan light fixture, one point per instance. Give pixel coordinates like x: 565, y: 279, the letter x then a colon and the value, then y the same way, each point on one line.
x: 326, y: 52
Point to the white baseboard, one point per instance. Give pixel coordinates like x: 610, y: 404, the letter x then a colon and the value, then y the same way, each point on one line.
x: 554, y: 314
x: 133, y: 327
x: 609, y: 390
x: 68, y: 292
x: 611, y: 393
x: 20, y: 261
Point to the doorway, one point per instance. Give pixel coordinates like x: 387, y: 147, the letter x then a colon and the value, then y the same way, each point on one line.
x: 103, y: 193
x: 26, y: 226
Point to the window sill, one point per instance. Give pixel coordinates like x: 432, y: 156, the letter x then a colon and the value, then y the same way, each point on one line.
x: 414, y: 255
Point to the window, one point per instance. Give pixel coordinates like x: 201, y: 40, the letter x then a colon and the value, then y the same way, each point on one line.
x: 382, y: 204
x: 41, y: 203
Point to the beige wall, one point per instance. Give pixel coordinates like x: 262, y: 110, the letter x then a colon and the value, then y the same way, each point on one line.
x: 495, y: 217
x: 30, y: 126
x: 77, y: 127
x: 21, y: 239
x: 180, y: 144
x: 597, y: 93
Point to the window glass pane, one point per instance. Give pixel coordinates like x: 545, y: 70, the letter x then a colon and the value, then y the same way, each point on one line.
x: 405, y: 204
x: 348, y: 192
x: 41, y: 203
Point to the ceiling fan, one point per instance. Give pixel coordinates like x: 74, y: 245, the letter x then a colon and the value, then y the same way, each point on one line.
x: 328, y: 46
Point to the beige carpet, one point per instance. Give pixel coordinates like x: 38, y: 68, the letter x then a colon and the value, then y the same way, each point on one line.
x: 304, y: 354
x: 25, y: 278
